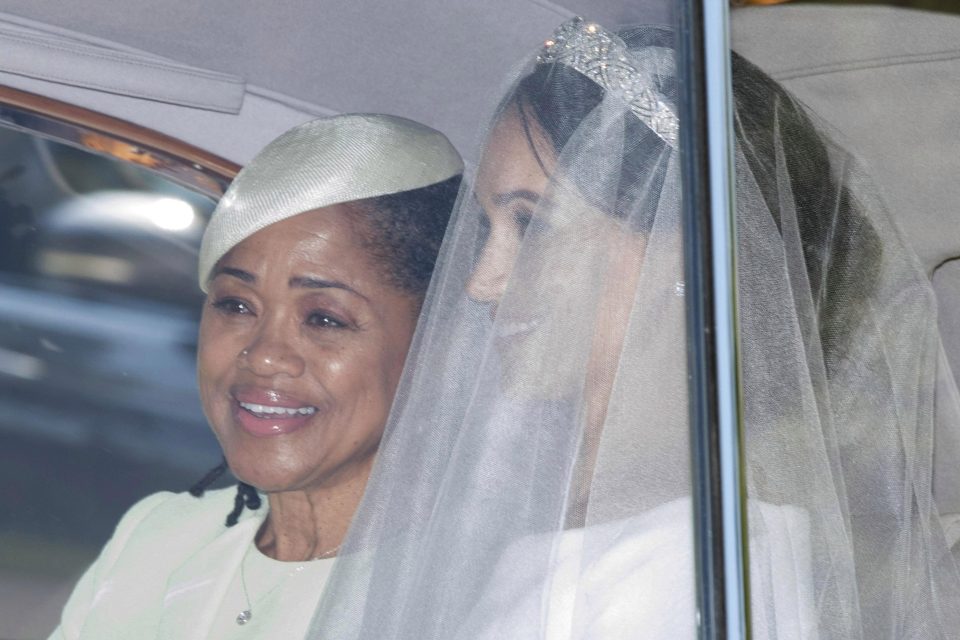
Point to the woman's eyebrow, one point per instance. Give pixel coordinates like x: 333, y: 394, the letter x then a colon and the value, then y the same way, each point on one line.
x: 502, y: 199
x: 310, y: 282
x: 296, y: 282
x: 240, y: 274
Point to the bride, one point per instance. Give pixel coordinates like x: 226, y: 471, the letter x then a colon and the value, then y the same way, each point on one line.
x: 534, y: 479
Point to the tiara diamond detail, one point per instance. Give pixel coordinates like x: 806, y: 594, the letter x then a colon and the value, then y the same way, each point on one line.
x: 589, y: 49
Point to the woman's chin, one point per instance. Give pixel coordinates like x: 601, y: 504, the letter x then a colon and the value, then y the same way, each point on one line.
x: 270, y: 482
x: 269, y: 472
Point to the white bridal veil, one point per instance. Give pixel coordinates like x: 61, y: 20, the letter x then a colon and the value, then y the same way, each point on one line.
x: 534, y: 480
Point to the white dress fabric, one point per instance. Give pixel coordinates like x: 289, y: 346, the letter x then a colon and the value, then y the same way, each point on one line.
x: 641, y: 583
x: 171, y: 572
x: 282, y: 598
x: 534, y: 478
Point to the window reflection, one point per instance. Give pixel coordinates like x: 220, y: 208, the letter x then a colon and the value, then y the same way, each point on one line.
x: 98, y: 404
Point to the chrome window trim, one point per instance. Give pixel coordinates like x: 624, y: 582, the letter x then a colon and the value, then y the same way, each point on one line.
x: 707, y: 146
x: 103, y: 135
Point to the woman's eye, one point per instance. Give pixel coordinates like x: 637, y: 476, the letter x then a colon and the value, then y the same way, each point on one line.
x: 325, y: 320
x: 232, y: 306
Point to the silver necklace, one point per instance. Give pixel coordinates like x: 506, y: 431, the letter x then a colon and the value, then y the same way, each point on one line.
x: 247, y: 614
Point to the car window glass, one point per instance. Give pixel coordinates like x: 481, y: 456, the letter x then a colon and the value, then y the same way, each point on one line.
x: 98, y: 402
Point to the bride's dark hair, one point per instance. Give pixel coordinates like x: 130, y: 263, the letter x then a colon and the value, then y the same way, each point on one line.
x: 774, y: 134
x: 842, y: 251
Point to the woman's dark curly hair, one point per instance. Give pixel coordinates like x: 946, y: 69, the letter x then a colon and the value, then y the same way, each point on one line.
x: 403, y: 232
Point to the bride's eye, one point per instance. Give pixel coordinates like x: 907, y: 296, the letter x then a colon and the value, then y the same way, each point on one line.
x: 483, y: 234
x: 483, y: 227
x: 522, y: 219
x: 527, y: 223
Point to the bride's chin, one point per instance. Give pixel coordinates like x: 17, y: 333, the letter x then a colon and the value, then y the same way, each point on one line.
x: 523, y: 376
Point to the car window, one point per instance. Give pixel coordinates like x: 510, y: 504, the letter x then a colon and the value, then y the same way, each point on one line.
x: 98, y: 403
x: 854, y: 439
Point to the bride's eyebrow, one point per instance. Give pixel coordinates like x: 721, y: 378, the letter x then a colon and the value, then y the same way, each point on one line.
x: 502, y: 199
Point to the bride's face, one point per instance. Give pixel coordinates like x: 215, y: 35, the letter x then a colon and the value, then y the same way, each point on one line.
x: 558, y: 273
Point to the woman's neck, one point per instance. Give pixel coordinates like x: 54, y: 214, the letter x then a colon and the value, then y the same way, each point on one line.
x: 311, y: 523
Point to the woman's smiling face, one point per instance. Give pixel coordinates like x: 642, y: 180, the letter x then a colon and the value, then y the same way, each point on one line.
x: 302, y: 343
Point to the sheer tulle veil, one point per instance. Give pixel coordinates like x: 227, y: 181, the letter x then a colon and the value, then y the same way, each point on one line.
x: 534, y: 479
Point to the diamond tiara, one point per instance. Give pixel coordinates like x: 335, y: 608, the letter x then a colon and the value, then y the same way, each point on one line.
x: 601, y: 56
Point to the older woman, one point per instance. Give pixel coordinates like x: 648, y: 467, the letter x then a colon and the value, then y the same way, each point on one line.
x: 315, y: 265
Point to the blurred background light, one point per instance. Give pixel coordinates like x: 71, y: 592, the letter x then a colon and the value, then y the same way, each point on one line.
x: 170, y: 214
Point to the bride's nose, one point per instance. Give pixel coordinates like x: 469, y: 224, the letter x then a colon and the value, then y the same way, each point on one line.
x: 489, y: 279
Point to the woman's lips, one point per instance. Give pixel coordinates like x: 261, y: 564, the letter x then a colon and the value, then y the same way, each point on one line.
x: 265, y: 412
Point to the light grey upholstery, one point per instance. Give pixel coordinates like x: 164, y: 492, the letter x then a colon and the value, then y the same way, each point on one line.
x: 287, y: 61
x: 888, y: 81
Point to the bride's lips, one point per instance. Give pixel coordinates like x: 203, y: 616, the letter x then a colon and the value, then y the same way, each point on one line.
x: 509, y: 328
x: 267, y: 412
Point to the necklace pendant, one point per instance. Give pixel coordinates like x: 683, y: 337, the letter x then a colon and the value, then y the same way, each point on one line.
x: 244, y: 617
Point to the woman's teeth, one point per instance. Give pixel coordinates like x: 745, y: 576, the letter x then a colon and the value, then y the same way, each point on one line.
x: 262, y: 410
